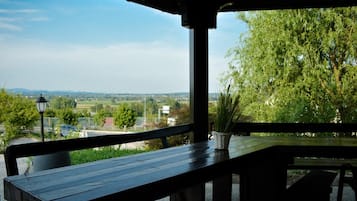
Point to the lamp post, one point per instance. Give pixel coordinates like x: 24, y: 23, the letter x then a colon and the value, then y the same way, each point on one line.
x: 41, y: 103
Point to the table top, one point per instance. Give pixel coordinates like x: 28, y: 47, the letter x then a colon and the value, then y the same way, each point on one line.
x: 158, y: 173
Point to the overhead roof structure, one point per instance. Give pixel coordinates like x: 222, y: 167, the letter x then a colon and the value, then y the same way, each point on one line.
x: 207, y: 9
x: 201, y: 15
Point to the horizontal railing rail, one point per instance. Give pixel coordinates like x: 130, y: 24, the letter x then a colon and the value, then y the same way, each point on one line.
x: 32, y: 149
x: 13, y: 152
x: 248, y: 128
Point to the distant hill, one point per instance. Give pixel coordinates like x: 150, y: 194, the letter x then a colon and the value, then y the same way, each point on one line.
x: 29, y: 92
x: 84, y: 94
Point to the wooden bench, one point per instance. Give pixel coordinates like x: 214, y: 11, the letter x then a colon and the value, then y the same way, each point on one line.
x: 341, y: 165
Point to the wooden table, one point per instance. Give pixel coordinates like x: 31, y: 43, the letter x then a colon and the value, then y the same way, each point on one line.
x: 259, y: 160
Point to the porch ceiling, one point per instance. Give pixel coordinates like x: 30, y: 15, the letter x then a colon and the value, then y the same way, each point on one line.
x: 196, y: 12
x: 179, y: 6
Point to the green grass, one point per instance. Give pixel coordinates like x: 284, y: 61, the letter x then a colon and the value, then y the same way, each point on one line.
x: 89, y: 155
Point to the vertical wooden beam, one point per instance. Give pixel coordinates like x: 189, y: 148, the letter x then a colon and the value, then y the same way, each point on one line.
x: 199, y: 82
x: 193, y: 193
x: 198, y: 102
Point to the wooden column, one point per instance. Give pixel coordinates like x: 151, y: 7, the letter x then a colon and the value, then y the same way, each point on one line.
x: 199, y: 82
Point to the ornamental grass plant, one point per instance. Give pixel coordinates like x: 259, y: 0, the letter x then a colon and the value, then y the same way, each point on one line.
x: 228, y: 111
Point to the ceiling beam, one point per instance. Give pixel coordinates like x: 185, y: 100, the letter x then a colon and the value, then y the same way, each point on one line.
x: 179, y: 7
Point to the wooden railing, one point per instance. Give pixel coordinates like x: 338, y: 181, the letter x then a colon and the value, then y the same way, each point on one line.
x: 38, y: 148
x: 32, y: 149
x: 248, y: 128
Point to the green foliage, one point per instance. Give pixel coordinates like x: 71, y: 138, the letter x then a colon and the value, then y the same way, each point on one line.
x: 99, y: 118
x: 151, y: 106
x: 50, y: 112
x: 138, y: 107
x: 83, y: 113
x: 124, y: 116
x: 89, y: 155
x: 18, y: 114
x: 173, y: 103
x: 97, y: 107
x: 182, y: 114
x: 227, y: 111
x: 5, y: 102
x: 172, y: 141
x: 298, y: 65
x: 68, y: 116
x: 59, y: 103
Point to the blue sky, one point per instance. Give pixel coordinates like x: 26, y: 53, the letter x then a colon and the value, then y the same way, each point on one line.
x: 103, y: 46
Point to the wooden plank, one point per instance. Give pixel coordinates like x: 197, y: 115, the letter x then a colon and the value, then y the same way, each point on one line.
x: 321, y: 163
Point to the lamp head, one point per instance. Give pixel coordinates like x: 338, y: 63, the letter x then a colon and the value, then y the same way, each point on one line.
x: 41, y: 104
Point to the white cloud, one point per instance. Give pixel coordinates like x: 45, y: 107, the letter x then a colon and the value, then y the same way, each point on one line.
x: 13, y: 19
x: 10, y: 27
x: 39, y: 19
x: 15, y: 11
x: 8, y: 19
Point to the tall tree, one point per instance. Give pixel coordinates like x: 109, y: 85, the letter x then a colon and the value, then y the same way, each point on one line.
x: 63, y: 103
x: 68, y: 116
x: 17, y: 113
x: 298, y: 65
x: 124, y: 116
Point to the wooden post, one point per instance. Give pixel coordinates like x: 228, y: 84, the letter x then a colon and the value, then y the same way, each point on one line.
x: 199, y: 82
x: 193, y: 193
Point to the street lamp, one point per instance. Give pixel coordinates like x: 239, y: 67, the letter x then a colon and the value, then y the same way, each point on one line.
x: 41, y: 103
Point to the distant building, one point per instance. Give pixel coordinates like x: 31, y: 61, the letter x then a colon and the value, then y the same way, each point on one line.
x: 109, y: 123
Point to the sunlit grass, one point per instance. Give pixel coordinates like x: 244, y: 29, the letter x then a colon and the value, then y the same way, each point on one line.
x: 89, y: 155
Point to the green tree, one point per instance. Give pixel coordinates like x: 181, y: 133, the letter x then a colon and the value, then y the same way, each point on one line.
x: 182, y: 114
x: 68, y: 116
x: 298, y: 65
x: 5, y: 102
x: 63, y: 103
x: 50, y: 112
x: 99, y: 118
x: 17, y: 113
x: 124, y: 116
x: 173, y: 103
x: 138, y: 107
